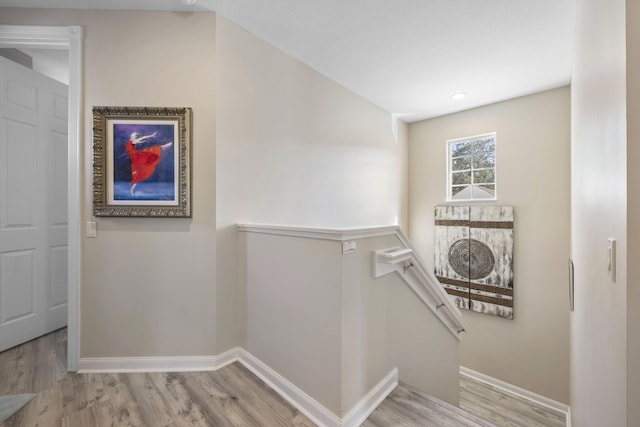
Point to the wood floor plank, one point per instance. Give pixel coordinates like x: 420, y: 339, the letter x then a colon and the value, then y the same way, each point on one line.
x: 269, y: 409
x: 178, y: 399
x: 125, y: 408
x: 153, y: 410
x: 301, y: 421
x: 247, y: 403
x: 95, y: 416
x: 18, y: 369
x: 408, y: 407
x: 504, y: 409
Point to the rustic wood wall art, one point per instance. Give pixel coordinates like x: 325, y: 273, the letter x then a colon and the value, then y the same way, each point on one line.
x: 474, y: 257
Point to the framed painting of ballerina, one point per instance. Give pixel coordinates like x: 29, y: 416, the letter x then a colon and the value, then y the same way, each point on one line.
x: 142, y: 162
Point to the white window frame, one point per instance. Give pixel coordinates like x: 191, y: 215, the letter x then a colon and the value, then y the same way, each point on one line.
x: 449, y: 188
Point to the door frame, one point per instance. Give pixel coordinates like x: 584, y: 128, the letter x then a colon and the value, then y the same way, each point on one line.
x: 70, y: 38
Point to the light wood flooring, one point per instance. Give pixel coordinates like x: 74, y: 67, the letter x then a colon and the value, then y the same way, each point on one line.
x: 408, y: 407
x: 231, y: 396
x: 503, y: 409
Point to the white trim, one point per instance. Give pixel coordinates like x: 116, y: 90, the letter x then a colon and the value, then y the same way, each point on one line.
x: 158, y: 364
x: 291, y: 393
x: 337, y: 234
x: 74, y: 195
x: 361, y: 411
x: 70, y: 38
x: 506, y: 387
x: 228, y: 357
x: 569, y: 417
x: 37, y: 37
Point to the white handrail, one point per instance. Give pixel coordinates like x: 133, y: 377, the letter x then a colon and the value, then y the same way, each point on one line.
x: 407, y: 264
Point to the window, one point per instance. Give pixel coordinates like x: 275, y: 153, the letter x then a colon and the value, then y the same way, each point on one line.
x: 471, y: 164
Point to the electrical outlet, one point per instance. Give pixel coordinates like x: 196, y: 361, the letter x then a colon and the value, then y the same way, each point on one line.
x: 349, y: 246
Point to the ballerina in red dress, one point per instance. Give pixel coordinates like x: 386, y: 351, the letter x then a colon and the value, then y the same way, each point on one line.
x: 144, y: 160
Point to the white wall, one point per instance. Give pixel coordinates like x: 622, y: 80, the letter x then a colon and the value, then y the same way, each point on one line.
x: 599, y: 211
x: 147, y: 284
x: 533, y: 173
x: 295, y: 148
x: 633, y: 213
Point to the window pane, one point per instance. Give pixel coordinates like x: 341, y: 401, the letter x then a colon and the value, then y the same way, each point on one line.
x: 483, y: 191
x: 461, y: 163
x: 461, y: 149
x: 458, y: 178
x: 484, y: 160
x: 457, y: 192
x: 484, y: 145
x: 487, y: 176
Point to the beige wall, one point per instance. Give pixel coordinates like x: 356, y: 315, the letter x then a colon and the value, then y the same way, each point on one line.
x: 320, y: 319
x: 599, y: 211
x: 424, y: 351
x: 386, y: 325
x: 147, y: 284
x: 364, y: 338
x: 294, y: 148
x: 633, y: 213
x: 293, y: 289
x: 532, y: 350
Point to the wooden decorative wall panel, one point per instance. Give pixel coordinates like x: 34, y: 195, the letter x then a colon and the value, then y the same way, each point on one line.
x: 474, y: 257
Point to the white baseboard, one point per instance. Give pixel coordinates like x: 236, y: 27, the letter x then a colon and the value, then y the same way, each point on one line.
x: 157, y: 364
x: 312, y: 409
x: 548, y: 403
x: 361, y: 411
x: 289, y: 392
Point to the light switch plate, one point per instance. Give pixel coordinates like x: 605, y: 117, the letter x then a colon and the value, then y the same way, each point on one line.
x: 92, y: 229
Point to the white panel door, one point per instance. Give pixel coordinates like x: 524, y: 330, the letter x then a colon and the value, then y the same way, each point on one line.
x: 33, y: 204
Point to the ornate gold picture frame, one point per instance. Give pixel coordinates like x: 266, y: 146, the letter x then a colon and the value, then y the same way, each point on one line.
x: 142, y: 162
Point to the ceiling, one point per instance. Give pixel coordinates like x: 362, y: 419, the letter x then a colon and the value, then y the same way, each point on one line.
x: 406, y: 56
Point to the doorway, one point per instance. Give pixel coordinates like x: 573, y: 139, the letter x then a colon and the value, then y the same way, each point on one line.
x: 70, y: 38
x: 33, y: 196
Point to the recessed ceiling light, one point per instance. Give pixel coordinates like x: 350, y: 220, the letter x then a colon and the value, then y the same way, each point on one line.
x: 189, y: 2
x: 458, y: 96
